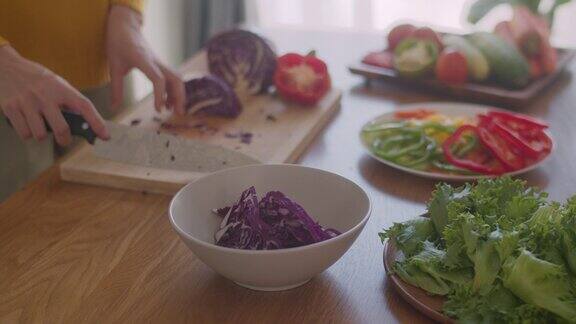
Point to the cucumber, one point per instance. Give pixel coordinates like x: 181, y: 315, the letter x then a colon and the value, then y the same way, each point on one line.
x: 508, y: 67
x: 478, y: 67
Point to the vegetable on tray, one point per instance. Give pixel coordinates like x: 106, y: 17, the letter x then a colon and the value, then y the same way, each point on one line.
x: 515, y: 53
x: 302, y: 79
x: 491, y: 143
x: 498, y: 251
x: 415, y: 57
x: 452, y: 67
x: 274, y: 222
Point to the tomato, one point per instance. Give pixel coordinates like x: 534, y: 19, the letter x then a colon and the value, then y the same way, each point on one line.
x: 451, y: 67
x: 427, y: 33
x: 381, y: 59
x: 398, y: 33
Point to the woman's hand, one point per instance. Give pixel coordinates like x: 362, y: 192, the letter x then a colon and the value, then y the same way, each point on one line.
x: 30, y: 94
x: 126, y: 49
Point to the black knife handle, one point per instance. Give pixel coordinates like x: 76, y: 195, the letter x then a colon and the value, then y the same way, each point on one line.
x: 78, y: 126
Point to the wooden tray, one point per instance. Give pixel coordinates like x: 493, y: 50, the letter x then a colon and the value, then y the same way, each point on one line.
x: 280, y: 134
x: 475, y: 92
x: 429, y: 305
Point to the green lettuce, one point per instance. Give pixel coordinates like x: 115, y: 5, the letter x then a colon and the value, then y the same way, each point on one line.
x: 498, y: 250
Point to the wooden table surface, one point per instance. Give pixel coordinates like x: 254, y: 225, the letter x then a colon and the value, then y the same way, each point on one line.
x: 82, y: 254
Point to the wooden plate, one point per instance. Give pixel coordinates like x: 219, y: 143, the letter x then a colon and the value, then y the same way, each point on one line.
x: 470, y: 91
x: 429, y: 305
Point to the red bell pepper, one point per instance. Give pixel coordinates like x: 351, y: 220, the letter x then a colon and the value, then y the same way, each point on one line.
x: 502, y: 149
x: 302, y: 79
x: 517, y: 121
x: 478, y: 161
x: 526, y: 134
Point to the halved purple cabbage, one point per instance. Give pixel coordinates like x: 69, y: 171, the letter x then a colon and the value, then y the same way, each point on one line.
x: 276, y: 222
x: 211, y: 95
x: 243, y: 59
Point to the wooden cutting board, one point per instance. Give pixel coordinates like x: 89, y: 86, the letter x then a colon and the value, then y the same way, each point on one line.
x: 269, y: 129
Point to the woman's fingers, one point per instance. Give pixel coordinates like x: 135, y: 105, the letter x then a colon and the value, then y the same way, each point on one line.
x: 58, y: 124
x: 18, y: 121
x: 75, y: 101
x: 176, y: 94
x: 32, y: 112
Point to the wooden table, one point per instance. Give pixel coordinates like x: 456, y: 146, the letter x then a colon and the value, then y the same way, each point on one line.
x: 82, y: 254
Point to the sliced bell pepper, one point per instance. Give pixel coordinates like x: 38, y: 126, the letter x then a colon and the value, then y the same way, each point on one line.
x: 502, y: 150
x: 418, y: 156
x: 302, y: 78
x: 524, y: 133
x: 414, y: 114
x: 478, y: 161
x: 517, y: 121
x: 415, y: 57
x: 400, y: 144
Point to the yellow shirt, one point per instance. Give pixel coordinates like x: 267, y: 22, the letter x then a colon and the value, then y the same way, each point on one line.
x: 66, y: 36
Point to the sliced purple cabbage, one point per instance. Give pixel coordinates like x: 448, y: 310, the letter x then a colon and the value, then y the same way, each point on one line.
x: 211, y: 95
x: 243, y: 59
x: 276, y: 222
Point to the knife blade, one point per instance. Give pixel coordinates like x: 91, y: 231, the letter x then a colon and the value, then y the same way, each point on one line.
x: 138, y: 146
x: 160, y: 150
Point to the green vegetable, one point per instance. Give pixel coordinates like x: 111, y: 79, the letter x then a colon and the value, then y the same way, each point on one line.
x: 415, y: 57
x: 508, y: 66
x: 412, y: 144
x: 542, y: 283
x: 478, y: 67
x: 499, y: 252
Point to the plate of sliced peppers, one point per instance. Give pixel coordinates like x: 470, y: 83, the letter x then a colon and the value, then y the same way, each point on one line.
x: 456, y: 141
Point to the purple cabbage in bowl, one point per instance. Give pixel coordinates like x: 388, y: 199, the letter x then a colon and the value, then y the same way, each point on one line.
x: 274, y: 222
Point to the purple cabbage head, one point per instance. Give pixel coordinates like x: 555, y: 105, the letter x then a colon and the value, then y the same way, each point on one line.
x: 212, y: 96
x: 243, y: 59
x: 276, y: 222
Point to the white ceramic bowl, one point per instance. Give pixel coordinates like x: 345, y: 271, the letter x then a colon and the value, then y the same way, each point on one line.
x: 332, y: 200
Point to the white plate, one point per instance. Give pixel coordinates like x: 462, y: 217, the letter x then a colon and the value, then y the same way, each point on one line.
x: 449, y: 109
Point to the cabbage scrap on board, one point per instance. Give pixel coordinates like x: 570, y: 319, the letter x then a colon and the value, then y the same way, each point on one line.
x: 275, y: 222
x: 243, y: 59
x: 212, y: 96
x: 498, y: 251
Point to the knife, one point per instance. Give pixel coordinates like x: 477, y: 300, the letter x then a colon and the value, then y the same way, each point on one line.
x: 138, y: 146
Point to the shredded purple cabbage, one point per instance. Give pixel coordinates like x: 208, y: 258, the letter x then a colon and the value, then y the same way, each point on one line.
x: 212, y: 96
x: 276, y: 222
x: 243, y: 59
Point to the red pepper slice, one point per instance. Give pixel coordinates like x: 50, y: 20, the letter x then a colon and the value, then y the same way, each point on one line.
x: 413, y: 114
x: 479, y: 161
x: 302, y: 79
x: 532, y: 146
x: 502, y: 149
x: 517, y: 122
x: 527, y: 136
x: 382, y: 59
